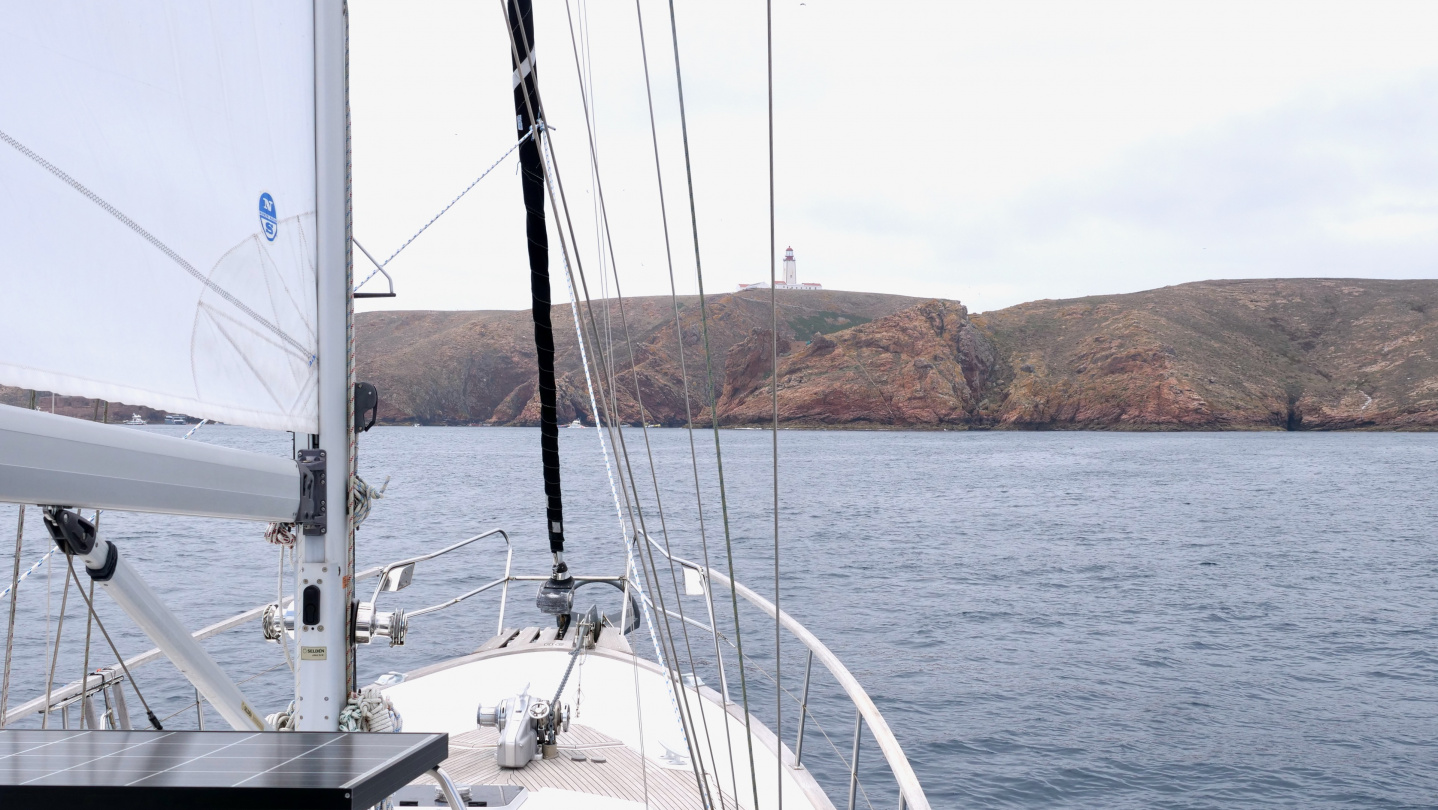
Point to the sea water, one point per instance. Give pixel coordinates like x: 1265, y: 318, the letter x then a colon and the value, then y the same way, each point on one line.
x: 1044, y: 619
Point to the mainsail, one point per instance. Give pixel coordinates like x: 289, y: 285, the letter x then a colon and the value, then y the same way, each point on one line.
x: 157, y: 206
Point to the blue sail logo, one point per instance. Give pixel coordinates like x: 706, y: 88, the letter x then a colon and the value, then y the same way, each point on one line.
x: 268, y: 222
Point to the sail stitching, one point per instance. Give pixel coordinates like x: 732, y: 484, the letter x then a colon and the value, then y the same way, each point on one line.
x: 149, y: 237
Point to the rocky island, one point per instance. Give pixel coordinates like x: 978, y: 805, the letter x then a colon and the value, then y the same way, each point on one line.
x: 1277, y: 354
x: 1283, y: 354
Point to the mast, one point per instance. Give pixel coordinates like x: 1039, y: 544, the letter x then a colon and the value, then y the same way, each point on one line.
x: 526, y: 109
x: 323, y: 581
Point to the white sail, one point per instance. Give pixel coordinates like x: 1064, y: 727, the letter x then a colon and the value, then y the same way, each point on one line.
x: 157, y: 205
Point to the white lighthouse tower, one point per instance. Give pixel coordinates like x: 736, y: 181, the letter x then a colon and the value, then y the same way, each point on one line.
x: 790, y: 281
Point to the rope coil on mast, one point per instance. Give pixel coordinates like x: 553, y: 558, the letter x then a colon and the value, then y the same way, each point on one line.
x: 364, y: 495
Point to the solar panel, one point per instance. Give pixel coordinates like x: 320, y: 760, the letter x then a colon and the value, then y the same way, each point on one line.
x: 116, y: 770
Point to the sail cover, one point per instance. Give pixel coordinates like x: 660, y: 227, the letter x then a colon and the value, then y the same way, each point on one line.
x: 157, y: 205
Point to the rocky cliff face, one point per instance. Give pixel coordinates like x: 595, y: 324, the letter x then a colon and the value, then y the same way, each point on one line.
x: 1286, y: 354
x: 478, y: 367
x: 1217, y: 355
x: 1266, y: 354
x: 927, y: 365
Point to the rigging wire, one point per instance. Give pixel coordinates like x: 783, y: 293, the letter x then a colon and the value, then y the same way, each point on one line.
x: 90, y: 605
x: 774, y: 400
x: 89, y: 627
x: 55, y: 654
x: 537, y: 126
x: 629, y: 567
x: 10, y: 624
x: 710, y: 395
x: 14, y: 590
x: 381, y: 265
x: 347, y: 582
x: 639, y: 401
x: 674, y: 682
x: 683, y: 374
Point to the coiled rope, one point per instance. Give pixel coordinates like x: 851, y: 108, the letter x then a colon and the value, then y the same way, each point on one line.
x: 362, y: 494
x: 370, y: 710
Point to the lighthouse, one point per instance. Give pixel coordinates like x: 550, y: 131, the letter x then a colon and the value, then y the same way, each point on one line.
x: 790, y: 280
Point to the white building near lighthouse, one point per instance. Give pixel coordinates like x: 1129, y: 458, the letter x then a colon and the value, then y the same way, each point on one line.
x: 790, y: 279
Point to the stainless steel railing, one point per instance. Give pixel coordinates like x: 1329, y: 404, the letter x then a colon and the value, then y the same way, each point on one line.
x: 911, y: 794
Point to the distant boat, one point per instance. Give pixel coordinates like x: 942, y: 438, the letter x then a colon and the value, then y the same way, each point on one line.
x: 575, y: 424
x: 135, y: 419
x: 176, y: 419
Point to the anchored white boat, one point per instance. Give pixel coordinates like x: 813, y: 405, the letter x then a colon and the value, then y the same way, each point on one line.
x: 502, y: 726
x: 135, y: 419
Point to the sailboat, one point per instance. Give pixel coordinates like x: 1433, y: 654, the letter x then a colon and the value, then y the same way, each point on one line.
x: 232, y: 215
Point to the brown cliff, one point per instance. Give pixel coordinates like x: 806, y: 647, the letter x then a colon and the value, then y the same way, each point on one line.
x: 1266, y: 354
x: 1216, y: 355
x: 1286, y: 353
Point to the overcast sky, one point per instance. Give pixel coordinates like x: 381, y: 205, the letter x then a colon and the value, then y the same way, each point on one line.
x: 993, y: 152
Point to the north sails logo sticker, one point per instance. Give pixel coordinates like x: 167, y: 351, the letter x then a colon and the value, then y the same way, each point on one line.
x: 268, y: 222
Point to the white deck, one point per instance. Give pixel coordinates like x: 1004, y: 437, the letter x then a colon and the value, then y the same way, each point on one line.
x: 622, y: 708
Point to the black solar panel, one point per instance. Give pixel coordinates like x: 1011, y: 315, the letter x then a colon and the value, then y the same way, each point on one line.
x: 115, y: 770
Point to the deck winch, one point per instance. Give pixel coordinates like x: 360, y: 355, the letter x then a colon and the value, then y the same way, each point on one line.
x: 525, y: 723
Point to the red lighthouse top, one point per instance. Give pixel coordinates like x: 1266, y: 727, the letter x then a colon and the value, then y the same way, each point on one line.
x: 788, y: 253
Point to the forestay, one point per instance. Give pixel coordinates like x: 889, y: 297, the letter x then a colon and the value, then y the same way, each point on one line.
x: 157, y: 205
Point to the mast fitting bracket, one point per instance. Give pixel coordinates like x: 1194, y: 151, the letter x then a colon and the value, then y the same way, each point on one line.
x: 312, y: 512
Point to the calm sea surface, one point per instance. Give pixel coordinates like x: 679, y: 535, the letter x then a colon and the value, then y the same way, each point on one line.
x: 1045, y: 619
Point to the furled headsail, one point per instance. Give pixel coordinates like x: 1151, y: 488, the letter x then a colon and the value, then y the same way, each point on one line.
x: 527, y: 110
x: 157, y: 206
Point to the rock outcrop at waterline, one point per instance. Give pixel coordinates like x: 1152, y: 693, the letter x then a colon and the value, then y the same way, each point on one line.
x: 1312, y: 354
x: 1264, y: 354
